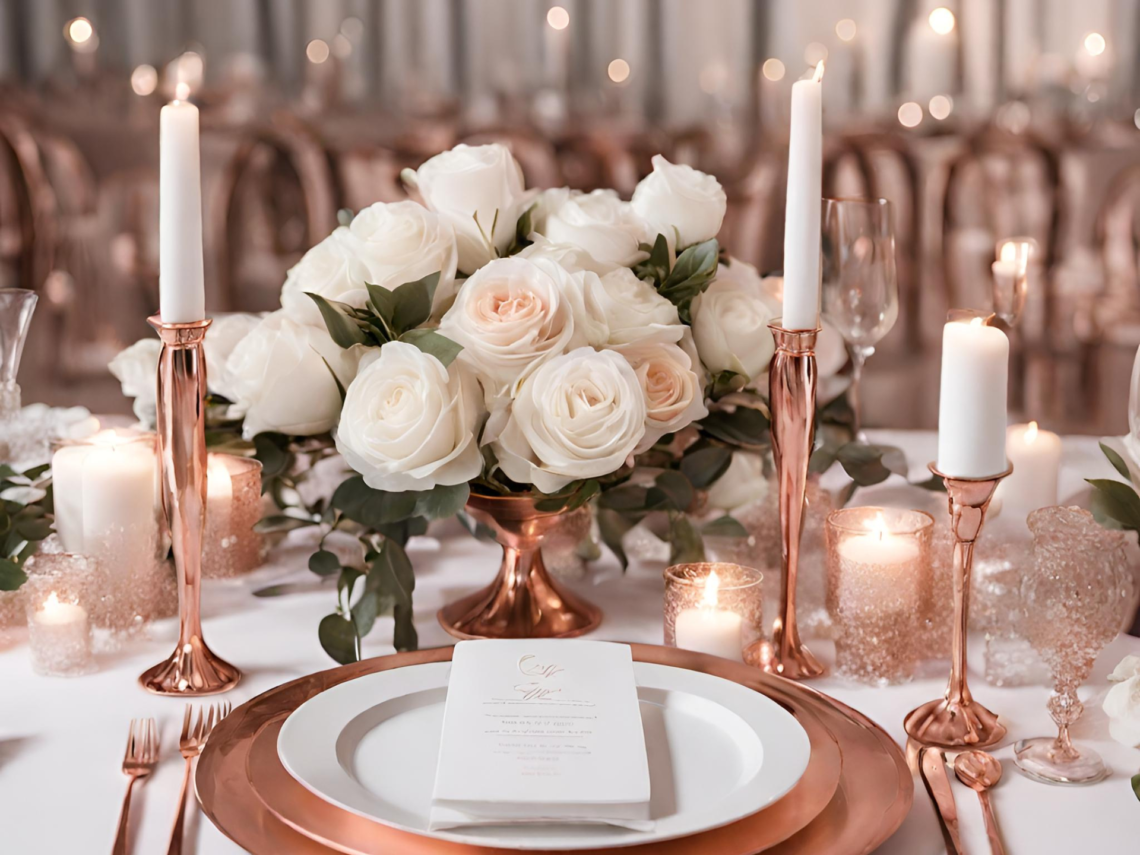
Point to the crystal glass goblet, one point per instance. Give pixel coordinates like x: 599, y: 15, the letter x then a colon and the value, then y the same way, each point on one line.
x: 16, y: 307
x: 1075, y: 594
x: 860, y: 285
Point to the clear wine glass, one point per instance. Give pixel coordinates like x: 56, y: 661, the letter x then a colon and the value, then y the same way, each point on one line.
x: 860, y: 286
x: 1075, y: 595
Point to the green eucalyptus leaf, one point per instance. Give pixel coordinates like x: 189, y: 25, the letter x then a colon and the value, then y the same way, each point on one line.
x: 412, y: 303
x: 338, y: 638
x: 339, y: 386
x: 725, y: 526
x: 1136, y: 785
x: 369, y: 507
x: 346, y: 583
x: 324, y: 563
x: 671, y: 491
x: 476, y: 529
x: 342, y: 327
x: 383, y: 305
x: 390, y: 574
x: 280, y: 522
x: 704, y: 466
x: 1116, y: 460
x: 627, y: 498
x: 686, y: 546
x: 364, y: 612
x: 869, y: 464
x: 613, y: 526
x: 744, y: 426
x: 583, y: 494
x: 272, y: 450
x: 31, y: 528
x: 1118, y: 501
x: 433, y: 344
x: 11, y: 575
x: 441, y: 501
x: 694, y: 270
x: 404, y: 636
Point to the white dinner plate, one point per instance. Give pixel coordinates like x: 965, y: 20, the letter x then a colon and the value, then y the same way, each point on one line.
x: 717, y: 752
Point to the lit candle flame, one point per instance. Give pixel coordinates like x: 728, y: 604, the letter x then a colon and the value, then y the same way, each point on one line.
x: 712, y: 585
x: 1031, y: 432
x: 1009, y: 251
x: 52, y: 602
x: 976, y: 322
x: 879, y: 526
x: 818, y: 76
x: 182, y: 91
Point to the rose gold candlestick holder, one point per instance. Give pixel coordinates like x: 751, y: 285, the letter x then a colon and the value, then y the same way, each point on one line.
x: 193, y: 669
x: 792, y: 380
x: 957, y: 720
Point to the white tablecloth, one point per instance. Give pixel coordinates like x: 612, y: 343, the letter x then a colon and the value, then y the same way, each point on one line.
x: 61, y: 740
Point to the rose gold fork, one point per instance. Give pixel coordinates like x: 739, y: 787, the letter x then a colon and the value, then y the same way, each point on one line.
x: 191, y: 743
x: 138, y: 762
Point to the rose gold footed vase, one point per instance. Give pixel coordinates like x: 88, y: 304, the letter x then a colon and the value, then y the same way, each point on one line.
x: 523, y: 601
x: 192, y: 669
x: 957, y: 720
x: 791, y: 382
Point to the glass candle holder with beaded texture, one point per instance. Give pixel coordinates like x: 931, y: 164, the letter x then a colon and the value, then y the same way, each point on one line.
x: 713, y: 607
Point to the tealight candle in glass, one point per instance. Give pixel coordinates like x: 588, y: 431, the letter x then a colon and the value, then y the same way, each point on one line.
x: 878, y: 576
x: 713, y: 607
x: 57, y: 596
x: 230, y: 546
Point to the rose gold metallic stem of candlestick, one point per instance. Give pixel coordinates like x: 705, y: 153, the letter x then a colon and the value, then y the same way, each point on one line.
x: 792, y: 379
x: 193, y: 669
x: 957, y: 720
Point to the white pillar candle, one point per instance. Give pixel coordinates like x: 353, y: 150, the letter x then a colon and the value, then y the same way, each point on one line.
x: 219, y: 494
x: 182, y: 290
x: 878, y: 570
x: 972, y: 409
x: 1036, y: 458
x: 805, y: 199
x: 708, y: 629
x: 59, y: 636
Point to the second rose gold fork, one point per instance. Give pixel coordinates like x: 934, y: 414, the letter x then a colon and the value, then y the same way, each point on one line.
x: 191, y: 743
x: 138, y: 762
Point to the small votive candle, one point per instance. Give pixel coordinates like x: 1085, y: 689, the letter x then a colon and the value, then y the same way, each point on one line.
x: 714, y: 608
x: 230, y: 546
x: 878, y: 576
x: 1036, y: 458
x: 59, y: 637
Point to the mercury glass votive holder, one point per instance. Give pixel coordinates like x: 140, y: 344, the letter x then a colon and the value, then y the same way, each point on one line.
x: 230, y: 546
x: 58, y: 599
x: 713, y: 607
x: 878, y: 578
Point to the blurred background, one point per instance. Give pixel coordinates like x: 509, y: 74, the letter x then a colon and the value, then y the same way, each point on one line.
x: 978, y: 119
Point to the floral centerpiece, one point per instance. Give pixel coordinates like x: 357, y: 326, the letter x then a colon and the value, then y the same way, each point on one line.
x: 502, y: 341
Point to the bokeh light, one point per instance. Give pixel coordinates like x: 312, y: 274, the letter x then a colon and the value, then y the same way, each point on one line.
x: 558, y: 18
x: 618, y: 71
x: 773, y: 69
x: 910, y: 114
x: 941, y: 20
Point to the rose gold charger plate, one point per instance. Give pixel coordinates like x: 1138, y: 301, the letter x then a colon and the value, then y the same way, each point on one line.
x: 854, y: 794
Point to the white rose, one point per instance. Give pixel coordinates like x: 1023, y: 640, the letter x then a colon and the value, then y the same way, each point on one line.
x: 226, y: 333
x: 511, y: 316
x: 403, y: 241
x: 1122, y: 706
x: 409, y: 423
x: 671, y: 383
x: 281, y: 381
x: 679, y: 199
x: 607, y: 228
x: 635, y: 311
x: 334, y: 270
x: 1125, y: 669
x: 578, y: 416
x: 468, y: 186
x: 572, y: 258
x: 742, y: 484
x: 830, y: 351
x: 730, y: 327
x: 136, y: 368
x: 546, y: 203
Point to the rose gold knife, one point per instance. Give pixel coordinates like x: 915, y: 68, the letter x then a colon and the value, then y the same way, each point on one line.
x: 937, y: 783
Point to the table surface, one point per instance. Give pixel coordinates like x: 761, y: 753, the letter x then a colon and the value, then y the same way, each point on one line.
x: 61, y: 740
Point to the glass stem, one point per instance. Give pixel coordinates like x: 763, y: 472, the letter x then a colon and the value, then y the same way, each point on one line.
x: 859, y: 356
x: 1065, y: 707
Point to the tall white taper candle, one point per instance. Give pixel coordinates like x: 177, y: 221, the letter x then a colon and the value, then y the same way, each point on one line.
x: 182, y: 288
x: 972, y: 409
x: 802, y: 213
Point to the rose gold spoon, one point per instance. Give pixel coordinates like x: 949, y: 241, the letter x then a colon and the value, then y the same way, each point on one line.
x: 979, y: 771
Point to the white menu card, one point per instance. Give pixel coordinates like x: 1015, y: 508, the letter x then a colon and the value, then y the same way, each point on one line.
x: 542, y: 730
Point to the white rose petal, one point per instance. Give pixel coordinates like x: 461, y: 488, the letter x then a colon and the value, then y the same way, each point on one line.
x: 1125, y: 669
x: 578, y: 416
x: 742, y: 484
x: 608, y: 229
x: 681, y: 200
x: 280, y: 378
x: 403, y: 242
x: 226, y: 332
x: 674, y: 393
x: 468, y: 186
x: 1122, y: 706
x: 635, y: 311
x: 511, y: 316
x: 546, y: 203
x: 136, y: 369
x: 570, y: 257
x: 332, y: 269
x: 730, y: 327
x: 409, y: 423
